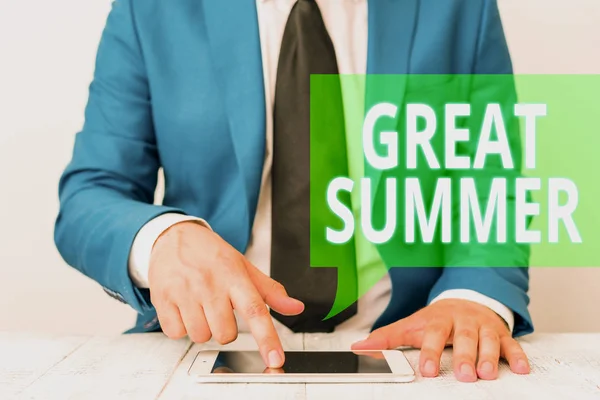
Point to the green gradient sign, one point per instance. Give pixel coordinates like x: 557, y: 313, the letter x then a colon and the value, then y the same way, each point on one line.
x: 455, y: 171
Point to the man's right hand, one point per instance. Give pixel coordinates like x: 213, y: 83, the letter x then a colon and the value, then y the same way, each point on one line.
x: 197, y: 280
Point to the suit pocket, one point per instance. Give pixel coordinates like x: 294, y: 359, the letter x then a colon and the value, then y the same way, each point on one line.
x: 419, y: 83
x: 436, y: 90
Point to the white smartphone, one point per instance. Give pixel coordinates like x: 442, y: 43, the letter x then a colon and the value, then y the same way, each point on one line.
x: 303, y: 366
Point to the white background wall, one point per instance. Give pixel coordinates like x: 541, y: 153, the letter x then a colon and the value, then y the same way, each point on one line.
x: 47, y: 51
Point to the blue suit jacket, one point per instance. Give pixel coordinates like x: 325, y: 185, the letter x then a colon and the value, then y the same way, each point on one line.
x: 179, y: 85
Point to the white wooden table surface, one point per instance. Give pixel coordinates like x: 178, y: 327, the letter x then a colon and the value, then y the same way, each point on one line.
x: 150, y: 366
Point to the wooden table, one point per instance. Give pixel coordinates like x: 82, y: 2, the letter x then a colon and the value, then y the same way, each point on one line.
x: 150, y: 366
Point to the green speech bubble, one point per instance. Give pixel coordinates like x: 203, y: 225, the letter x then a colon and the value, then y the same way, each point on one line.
x: 564, y: 152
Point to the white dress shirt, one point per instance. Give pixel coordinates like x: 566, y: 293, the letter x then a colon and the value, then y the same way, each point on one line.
x: 346, y: 22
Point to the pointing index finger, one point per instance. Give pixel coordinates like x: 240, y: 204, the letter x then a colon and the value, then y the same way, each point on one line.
x: 253, y: 309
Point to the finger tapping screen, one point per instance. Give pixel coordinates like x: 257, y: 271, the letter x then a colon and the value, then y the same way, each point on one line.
x: 298, y: 362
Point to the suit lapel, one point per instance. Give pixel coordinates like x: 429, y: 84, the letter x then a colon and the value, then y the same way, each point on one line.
x: 232, y: 29
x: 391, y: 33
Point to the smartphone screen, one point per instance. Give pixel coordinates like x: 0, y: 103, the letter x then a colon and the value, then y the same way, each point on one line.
x: 303, y: 362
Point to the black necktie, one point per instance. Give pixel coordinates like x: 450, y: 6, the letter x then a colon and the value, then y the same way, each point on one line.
x: 306, y: 49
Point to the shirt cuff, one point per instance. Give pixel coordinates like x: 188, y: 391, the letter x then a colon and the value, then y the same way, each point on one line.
x: 466, y: 294
x: 141, y: 250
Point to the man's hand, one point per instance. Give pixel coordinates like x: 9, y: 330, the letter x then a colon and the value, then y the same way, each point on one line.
x: 197, y: 280
x: 478, y: 335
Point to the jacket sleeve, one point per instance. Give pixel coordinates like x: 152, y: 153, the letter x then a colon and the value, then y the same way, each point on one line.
x: 106, y: 192
x: 496, y: 270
